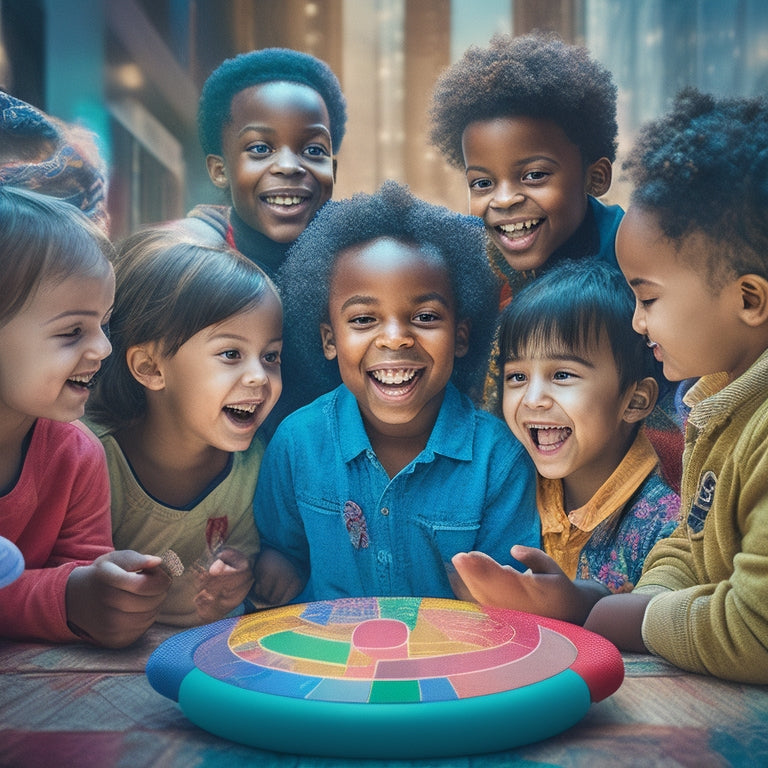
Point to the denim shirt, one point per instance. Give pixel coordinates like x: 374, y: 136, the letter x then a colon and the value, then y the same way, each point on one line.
x: 324, y: 500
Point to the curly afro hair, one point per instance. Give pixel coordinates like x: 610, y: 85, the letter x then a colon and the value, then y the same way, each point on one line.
x: 704, y: 167
x: 536, y: 75
x: 391, y: 212
x: 266, y: 66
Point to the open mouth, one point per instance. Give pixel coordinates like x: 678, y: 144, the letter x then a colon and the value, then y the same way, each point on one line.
x: 396, y: 381
x: 284, y: 201
x: 548, y: 438
x: 242, y: 414
x: 520, y: 229
x: 83, y: 381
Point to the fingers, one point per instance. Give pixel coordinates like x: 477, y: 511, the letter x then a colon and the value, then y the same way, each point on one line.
x: 535, y: 559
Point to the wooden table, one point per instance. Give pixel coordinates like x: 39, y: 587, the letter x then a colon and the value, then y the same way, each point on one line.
x: 81, y: 707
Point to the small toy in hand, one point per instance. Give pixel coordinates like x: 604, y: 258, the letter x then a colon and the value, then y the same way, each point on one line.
x: 171, y: 564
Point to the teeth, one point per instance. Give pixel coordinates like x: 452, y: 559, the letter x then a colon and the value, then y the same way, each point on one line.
x: 547, y: 435
x: 394, y: 376
x: 519, y: 226
x: 84, y: 380
x: 243, y: 408
x: 284, y: 200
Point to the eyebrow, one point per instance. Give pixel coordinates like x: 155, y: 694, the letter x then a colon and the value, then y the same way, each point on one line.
x: 77, y: 313
x: 521, y: 161
x: 369, y: 301
x: 313, y: 128
x: 566, y: 356
x: 238, y: 337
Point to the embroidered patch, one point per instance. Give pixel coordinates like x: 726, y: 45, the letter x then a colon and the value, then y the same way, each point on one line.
x: 357, y: 528
x: 701, y: 505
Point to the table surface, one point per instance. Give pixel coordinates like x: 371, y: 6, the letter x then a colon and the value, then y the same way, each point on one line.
x: 75, y: 706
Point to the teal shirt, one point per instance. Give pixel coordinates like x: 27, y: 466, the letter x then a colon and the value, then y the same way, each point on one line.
x: 325, y: 501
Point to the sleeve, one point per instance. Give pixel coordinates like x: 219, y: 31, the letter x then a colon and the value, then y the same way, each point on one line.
x: 37, y: 600
x: 510, y: 515
x: 720, y: 621
x: 275, y: 509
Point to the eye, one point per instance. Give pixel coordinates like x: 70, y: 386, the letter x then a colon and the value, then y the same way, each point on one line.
x: 272, y: 358
x: 564, y: 375
x: 72, y: 333
x: 231, y: 354
x: 535, y: 176
x: 480, y: 184
x: 514, y: 377
x: 259, y: 148
x: 645, y: 302
x: 317, y: 150
x: 362, y: 320
x: 426, y: 317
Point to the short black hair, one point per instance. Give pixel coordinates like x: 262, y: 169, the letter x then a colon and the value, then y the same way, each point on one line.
x: 535, y: 75
x: 704, y: 167
x: 568, y: 308
x: 266, y: 65
x: 390, y: 212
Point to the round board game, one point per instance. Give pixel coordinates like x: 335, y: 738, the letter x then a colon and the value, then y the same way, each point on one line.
x: 393, y: 677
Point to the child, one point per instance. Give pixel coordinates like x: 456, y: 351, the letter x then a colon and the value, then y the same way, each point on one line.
x: 694, y: 248
x: 374, y: 486
x: 577, y: 384
x: 271, y: 122
x: 196, y: 333
x: 532, y: 121
x: 57, y: 293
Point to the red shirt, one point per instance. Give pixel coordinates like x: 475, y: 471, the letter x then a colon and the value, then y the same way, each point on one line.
x: 58, y: 515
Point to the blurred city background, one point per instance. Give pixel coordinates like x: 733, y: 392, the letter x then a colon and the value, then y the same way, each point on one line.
x: 131, y: 71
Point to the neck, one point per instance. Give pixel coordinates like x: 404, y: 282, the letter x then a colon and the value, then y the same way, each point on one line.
x: 261, y: 250
x: 168, y: 466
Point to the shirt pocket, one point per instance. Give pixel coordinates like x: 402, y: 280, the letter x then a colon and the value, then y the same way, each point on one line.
x: 449, y: 536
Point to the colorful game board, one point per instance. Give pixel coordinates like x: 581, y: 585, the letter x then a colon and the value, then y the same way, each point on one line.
x: 386, y: 677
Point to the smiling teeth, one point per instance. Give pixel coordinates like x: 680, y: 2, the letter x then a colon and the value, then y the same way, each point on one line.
x: 519, y: 226
x: 243, y: 408
x: 547, y: 435
x: 84, y: 380
x: 284, y: 200
x: 397, y: 376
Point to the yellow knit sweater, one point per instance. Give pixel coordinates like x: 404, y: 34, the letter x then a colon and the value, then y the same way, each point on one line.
x: 711, y: 611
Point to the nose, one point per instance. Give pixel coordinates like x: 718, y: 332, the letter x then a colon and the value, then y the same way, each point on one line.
x: 286, y: 161
x: 394, y: 334
x: 254, y: 375
x: 638, y: 319
x: 101, y: 346
x: 537, y: 393
x: 506, y: 194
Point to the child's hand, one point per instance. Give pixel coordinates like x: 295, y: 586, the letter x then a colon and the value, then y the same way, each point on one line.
x: 544, y: 589
x: 277, y: 581
x: 224, y: 585
x: 115, y: 599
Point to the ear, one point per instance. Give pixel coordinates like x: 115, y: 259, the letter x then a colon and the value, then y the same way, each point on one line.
x: 217, y: 170
x: 753, y: 291
x: 599, y: 177
x: 642, y: 400
x: 463, y: 328
x: 142, y: 361
x: 329, y: 343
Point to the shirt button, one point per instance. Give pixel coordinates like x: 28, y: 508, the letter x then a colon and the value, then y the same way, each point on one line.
x: 385, y: 511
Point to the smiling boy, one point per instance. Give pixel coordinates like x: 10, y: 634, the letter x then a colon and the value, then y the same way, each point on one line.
x: 374, y: 486
x: 271, y: 122
x: 532, y: 123
x: 577, y: 384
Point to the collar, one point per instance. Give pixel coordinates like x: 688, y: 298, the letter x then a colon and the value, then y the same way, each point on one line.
x: 445, y: 438
x: 613, y: 494
x: 260, y: 249
x: 713, y: 395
